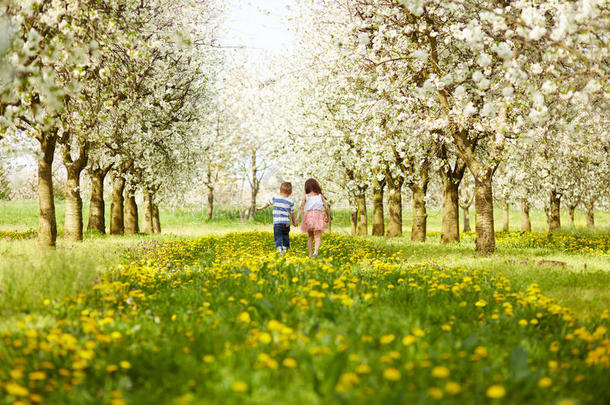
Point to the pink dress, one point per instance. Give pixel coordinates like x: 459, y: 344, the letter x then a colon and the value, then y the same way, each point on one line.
x: 314, y: 214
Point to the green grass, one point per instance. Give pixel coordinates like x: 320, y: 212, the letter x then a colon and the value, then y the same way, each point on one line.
x: 223, y: 319
x: 28, y: 276
x: 22, y: 215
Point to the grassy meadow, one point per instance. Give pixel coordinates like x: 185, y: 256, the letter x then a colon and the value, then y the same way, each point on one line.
x: 210, y: 304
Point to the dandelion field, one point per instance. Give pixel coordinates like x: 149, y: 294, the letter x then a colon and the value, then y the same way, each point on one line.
x: 223, y: 319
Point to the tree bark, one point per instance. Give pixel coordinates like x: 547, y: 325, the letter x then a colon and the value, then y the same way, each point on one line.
x: 378, y: 221
x: 147, y: 224
x: 210, y: 203
x: 97, y: 214
x: 47, y: 224
x: 450, y: 227
x: 418, y: 228
x: 590, y: 208
x: 130, y: 214
x: 526, y: 224
x: 116, y: 207
x: 155, y: 218
x: 571, y: 214
x: 254, y: 184
x: 252, y: 205
x: 452, y: 177
x: 73, y: 223
x: 420, y: 216
x: 394, y: 207
x: 465, y: 205
x: 362, y: 221
x: 553, y: 212
x: 466, y: 216
x: 506, y: 218
x: 354, y: 221
x: 484, y: 215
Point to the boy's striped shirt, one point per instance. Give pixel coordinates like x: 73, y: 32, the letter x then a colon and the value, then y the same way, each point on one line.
x: 282, y: 208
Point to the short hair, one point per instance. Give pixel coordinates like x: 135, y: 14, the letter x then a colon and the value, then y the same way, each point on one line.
x: 312, y: 185
x: 286, y: 187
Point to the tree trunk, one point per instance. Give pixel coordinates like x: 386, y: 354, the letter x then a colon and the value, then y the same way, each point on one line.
x: 553, y: 212
x: 156, y: 220
x: 590, y: 208
x: 450, y: 227
x: 571, y: 215
x: 73, y: 223
x: 354, y: 221
x: 452, y: 177
x: 47, y: 225
x: 466, y: 216
x: 378, y: 225
x: 147, y: 225
x: 484, y: 215
x: 418, y: 228
x: 506, y: 212
x: 362, y: 221
x: 394, y: 208
x: 130, y: 214
x: 97, y: 215
x: 254, y: 184
x: 526, y: 224
x: 252, y: 208
x: 116, y: 207
x: 210, y: 203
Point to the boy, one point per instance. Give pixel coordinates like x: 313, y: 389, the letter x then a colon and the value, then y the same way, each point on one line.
x: 283, y: 215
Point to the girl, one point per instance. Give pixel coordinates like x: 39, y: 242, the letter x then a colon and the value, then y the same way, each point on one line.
x: 317, y: 215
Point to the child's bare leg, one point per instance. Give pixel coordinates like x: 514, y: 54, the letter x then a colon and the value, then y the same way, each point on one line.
x: 310, y: 242
x: 318, y: 237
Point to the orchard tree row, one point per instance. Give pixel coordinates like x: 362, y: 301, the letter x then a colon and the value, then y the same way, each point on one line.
x: 116, y: 88
x: 386, y: 94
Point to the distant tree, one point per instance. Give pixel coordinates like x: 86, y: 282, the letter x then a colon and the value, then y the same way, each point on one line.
x: 5, y: 187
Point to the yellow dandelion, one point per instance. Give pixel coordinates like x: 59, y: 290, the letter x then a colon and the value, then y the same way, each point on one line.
x: 453, y: 388
x: 244, y: 317
x: 36, y: 398
x: 363, y: 369
x: 125, y: 364
x: 480, y: 303
x: 495, y: 391
x: 386, y: 339
x: 408, y: 340
x: 419, y: 332
x: 440, y: 372
x: 435, y: 393
x: 37, y: 375
x: 265, y: 338
x: 545, y: 382
x: 289, y: 362
x: 16, y: 390
x: 391, y: 374
x: 239, y: 386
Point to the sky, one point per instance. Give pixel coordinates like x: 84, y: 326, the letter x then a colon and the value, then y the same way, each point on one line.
x: 258, y: 24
